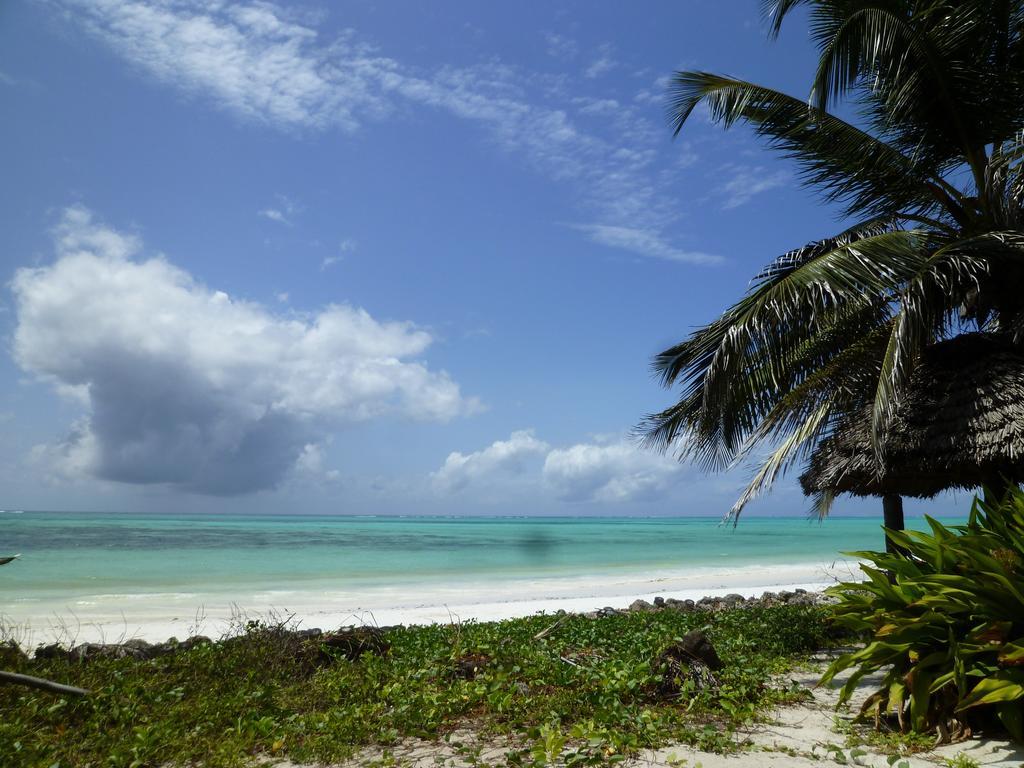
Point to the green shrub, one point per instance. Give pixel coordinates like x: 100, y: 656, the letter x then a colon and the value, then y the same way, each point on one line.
x: 946, y: 611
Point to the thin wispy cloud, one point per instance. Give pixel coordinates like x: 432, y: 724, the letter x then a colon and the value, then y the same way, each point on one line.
x: 745, y: 182
x: 561, y: 46
x: 274, y: 214
x: 686, y: 156
x: 603, y: 64
x: 248, y: 58
x: 644, y: 243
x: 345, y: 246
x: 591, y: 106
x: 263, y: 63
x: 282, y: 212
x: 656, y: 93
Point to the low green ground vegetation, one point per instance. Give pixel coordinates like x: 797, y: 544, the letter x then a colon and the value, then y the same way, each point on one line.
x: 586, y: 693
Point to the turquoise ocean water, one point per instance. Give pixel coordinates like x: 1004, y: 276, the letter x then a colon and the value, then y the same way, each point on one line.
x: 66, y: 555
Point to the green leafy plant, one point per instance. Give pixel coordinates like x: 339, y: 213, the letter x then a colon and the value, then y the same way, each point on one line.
x: 962, y: 761
x: 944, y: 617
x: 580, y: 694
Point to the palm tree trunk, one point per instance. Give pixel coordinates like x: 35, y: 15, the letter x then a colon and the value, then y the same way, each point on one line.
x: 892, y: 512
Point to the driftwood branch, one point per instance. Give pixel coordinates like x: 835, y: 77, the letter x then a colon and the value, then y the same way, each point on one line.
x: 547, y: 631
x: 13, y: 678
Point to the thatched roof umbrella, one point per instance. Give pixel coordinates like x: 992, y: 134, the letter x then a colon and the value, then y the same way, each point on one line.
x: 960, y: 424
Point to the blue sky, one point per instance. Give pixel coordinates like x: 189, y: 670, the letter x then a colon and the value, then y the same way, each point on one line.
x: 370, y: 257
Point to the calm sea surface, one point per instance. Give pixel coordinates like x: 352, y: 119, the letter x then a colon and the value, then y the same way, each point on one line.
x: 68, y: 554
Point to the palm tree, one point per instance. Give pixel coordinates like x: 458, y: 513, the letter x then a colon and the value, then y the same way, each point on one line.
x: 932, y: 179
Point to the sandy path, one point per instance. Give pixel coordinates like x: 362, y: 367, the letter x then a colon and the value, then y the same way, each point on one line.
x: 806, y: 735
x: 802, y: 736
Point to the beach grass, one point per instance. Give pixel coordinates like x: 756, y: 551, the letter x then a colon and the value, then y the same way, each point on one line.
x: 586, y: 692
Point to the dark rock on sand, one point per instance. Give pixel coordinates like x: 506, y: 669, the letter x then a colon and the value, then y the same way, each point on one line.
x: 641, y: 606
x: 318, y: 647
x: 697, y: 646
x: 468, y: 666
x: 679, y: 605
x: 139, y: 650
x: 352, y: 642
x: 51, y: 651
x: 132, y: 649
x: 689, y: 663
x: 728, y: 602
x: 175, y: 646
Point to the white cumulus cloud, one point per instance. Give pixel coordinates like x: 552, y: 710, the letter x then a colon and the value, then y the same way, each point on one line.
x: 500, y: 460
x: 602, y: 471
x: 188, y: 387
x: 613, y: 472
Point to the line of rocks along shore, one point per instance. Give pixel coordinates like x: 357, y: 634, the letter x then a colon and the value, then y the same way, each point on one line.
x: 353, y: 641
x: 728, y: 602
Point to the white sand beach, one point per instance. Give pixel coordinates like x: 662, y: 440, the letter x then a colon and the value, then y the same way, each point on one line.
x: 157, y: 616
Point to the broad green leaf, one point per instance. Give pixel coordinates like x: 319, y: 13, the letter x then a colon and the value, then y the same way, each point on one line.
x: 993, y: 690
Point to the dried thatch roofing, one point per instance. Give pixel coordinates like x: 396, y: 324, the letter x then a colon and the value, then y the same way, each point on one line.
x: 960, y: 424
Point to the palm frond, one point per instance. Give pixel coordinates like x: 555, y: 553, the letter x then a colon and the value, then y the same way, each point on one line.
x: 855, y: 44
x: 944, y: 283
x: 845, y: 163
x: 781, y: 457
x: 801, y: 294
x: 807, y: 412
x: 775, y: 11
x: 935, y: 169
x: 941, y: 81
